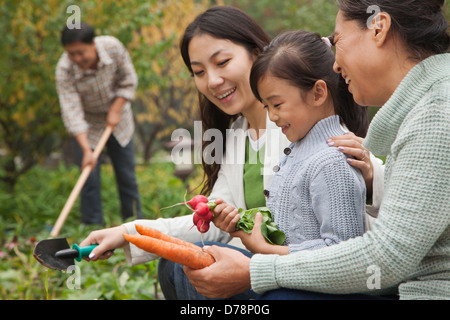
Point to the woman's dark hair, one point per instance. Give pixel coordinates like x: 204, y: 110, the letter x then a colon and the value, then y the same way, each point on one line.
x: 303, y: 58
x: 85, y: 34
x: 221, y: 22
x: 420, y: 24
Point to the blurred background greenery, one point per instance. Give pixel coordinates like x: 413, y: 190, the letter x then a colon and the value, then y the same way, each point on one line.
x: 36, y: 167
x: 30, y: 122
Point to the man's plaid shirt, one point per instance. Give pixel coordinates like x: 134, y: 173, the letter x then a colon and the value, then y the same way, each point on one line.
x: 86, y: 95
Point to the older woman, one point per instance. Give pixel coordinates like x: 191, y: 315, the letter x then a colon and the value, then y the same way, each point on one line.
x: 392, y: 53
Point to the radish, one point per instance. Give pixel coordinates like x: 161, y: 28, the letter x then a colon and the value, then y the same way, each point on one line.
x: 192, y: 203
x: 196, y: 200
x: 202, y: 222
x: 202, y: 226
x: 202, y: 209
x: 195, y: 218
x: 208, y: 216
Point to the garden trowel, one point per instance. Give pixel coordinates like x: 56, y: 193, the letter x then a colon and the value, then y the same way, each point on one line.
x: 56, y: 253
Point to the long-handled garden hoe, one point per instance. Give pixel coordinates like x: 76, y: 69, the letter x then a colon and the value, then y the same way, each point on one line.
x: 80, y: 183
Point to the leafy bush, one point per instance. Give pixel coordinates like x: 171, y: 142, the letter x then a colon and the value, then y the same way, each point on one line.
x: 28, y: 215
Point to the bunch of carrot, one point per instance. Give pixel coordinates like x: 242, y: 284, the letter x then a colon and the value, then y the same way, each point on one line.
x: 170, y: 248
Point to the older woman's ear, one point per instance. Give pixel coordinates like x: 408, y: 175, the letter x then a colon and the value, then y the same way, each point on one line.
x: 381, y: 25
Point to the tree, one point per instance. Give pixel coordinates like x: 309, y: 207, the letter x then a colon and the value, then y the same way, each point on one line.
x: 167, y: 98
x: 277, y: 16
x: 30, y: 125
x: 30, y: 120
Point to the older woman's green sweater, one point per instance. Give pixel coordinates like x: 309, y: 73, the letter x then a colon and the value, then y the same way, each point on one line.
x: 409, y: 246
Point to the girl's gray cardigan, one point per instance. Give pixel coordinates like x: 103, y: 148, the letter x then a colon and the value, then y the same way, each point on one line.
x: 316, y: 197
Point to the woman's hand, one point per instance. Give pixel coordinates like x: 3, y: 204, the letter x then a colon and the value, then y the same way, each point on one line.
x: 226, y: 216
x: 352, y: 145
x: 107, y: 240
x: 228, y: 276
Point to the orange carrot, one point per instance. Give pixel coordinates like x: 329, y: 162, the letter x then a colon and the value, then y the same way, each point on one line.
x: 147, y: 231
x: 188, y: 256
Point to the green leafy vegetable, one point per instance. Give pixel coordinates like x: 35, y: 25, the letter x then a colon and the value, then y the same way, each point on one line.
x: 269, y: 228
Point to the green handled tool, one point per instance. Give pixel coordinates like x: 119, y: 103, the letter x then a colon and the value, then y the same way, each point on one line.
x: 56, y: 253
x: 76, y: 252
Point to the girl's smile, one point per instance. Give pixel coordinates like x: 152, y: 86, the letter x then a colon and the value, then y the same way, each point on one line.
x: 285, y: 128
x: 293, y: 110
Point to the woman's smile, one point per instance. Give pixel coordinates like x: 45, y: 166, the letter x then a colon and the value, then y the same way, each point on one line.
x: 226, y: 96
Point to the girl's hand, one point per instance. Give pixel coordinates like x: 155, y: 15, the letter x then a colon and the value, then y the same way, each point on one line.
x: 255, y: 241
x: 353, y: 146
x: 107, y: 240
x: 225, y: 216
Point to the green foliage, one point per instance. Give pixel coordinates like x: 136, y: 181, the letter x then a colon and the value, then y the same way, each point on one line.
x: 30, y: 120
x: 167, y: 96
x: 277, y: 16
x: 30, y: 124
x: 28, y: 217
x: 269, y: 228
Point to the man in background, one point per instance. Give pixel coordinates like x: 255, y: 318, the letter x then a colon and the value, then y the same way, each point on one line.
x: 96, y: 83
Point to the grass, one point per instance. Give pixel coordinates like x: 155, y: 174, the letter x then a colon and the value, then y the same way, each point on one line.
x: 28, y: 215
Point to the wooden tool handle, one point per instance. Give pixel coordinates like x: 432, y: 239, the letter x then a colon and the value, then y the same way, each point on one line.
x: 80, y: 183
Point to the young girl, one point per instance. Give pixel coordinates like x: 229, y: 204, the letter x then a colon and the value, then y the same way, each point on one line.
x: 317, y: 199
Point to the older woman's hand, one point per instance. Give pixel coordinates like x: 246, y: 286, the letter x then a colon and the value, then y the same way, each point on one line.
x: 228, y: 276
x: 352, y: 145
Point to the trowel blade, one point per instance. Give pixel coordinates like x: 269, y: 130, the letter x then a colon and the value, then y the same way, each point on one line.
x: 45, y: 251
